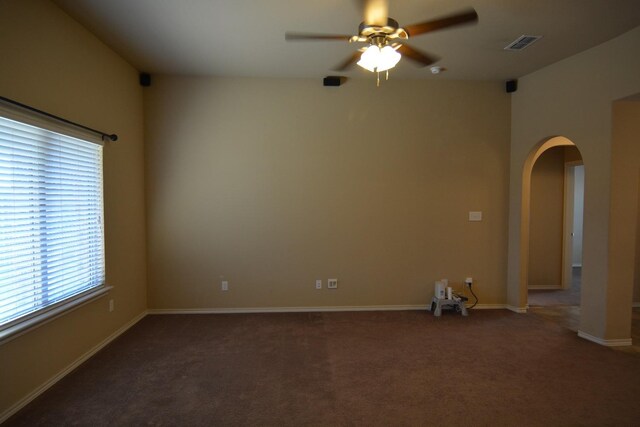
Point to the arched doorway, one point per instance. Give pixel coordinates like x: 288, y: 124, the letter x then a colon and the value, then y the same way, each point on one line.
x: 526, y: 220
x: 555, y: 250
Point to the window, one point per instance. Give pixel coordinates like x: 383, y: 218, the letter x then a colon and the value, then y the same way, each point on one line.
x: 51, y: 221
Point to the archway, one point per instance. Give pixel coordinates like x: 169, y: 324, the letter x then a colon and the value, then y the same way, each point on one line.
x: 525, y: 221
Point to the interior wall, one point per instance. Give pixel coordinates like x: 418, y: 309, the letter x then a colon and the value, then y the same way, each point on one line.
x: 547, y: 207
x: 572, y: 154
x: 625, y: 166
x: 636, y: 276
x: 271, y: 184
x: 52, y: 63
x: 574, y: 98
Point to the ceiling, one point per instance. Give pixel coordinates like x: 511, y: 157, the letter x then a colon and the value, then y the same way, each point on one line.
x: 246, y: 37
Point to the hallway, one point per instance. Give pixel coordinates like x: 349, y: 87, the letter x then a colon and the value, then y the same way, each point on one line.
x: 563, y: 308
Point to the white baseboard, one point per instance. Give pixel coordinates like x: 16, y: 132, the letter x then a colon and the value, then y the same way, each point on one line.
x: 306, y: 309
x: 607, y: 343
x: 544, y: 288
x: 44, y: 387
x: 285, y: 309
x: 516, y: 309
x: 489, y: 306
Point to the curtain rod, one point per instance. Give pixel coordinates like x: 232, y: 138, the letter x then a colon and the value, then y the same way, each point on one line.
x: 112, y: 137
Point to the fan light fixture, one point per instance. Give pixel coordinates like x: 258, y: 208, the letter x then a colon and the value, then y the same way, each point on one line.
x: 385, y: 38
x: 376, y: 59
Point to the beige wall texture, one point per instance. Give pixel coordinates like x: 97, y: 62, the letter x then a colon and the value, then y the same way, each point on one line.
x: 50, y: 62
x: 625, y: 175
x: 573, y: 98
x: 636, y: 276
x: 547, y: 207
x: 271, y: 184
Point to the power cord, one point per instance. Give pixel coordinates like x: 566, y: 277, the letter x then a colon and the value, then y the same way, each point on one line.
x: 461, y: 298
x: 474, y: 295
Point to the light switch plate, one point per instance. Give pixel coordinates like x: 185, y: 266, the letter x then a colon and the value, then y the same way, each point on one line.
x: 475, y: 216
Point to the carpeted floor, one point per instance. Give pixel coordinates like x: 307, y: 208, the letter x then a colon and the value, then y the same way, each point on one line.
x: 563, y: 308
x: 569, y: 296
x: 493, y: 368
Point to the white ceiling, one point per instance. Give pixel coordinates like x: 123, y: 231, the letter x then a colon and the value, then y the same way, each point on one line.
x: 246, y: 37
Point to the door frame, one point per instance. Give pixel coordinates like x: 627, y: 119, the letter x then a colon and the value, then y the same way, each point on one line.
x: 567, y: 222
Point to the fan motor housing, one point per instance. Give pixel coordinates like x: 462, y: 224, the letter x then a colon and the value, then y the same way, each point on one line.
x: 392, y: 30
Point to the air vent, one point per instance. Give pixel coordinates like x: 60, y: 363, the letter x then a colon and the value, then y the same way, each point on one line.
x: 522, y: 42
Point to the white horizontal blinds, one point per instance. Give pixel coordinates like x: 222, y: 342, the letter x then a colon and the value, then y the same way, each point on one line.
x: 51, y: 219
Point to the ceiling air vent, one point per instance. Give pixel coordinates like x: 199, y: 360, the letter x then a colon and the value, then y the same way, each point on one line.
x: 522, y: 42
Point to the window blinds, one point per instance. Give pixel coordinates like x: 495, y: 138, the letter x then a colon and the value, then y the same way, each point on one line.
x: 51, y: 220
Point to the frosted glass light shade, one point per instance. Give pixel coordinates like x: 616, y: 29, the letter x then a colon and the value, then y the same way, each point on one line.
x: 387, y: 59
x: 376, y: 59
x: 369, y: 58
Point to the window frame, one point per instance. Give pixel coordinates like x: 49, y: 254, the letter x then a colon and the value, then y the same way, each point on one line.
x: 43, y: 315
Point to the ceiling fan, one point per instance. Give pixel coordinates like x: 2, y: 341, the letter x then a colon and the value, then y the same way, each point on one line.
x: 385, y: 37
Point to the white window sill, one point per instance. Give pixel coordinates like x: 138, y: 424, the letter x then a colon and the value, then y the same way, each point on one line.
x: 47, y: 316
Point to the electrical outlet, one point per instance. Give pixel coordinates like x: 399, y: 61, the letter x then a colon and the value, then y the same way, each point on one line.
x: 318, y: 284
x: 111, y: 305
x: 332, y: 284
x: 225, y: 285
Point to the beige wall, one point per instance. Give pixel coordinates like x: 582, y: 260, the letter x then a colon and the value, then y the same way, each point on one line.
x: 547, y: 207
x: 625, y: 167
x: 271, y: 184
x: 52, y: 63
x: 574, y: 98
x: 636, y: 276
x: 572, y: 154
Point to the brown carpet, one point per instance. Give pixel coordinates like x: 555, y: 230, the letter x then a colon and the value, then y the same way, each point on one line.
x: 494, y: 368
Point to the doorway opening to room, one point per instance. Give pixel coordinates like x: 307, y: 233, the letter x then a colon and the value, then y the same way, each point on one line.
x: 555, y: 202
x: 572, y: 230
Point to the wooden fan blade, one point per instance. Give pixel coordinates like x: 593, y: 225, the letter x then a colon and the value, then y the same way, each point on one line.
x: 348, y: 62
x: 466, y: 17
x: 312, y: 36
x: 376, y: 12
x: 421, y: 58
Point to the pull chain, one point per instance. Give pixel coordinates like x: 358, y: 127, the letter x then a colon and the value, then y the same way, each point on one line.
x: 378, y: 77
